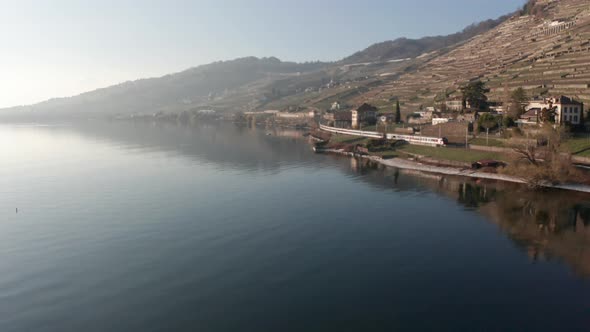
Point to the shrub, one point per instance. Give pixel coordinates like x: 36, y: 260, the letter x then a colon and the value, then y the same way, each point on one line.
x: 508, y: 122
x: 375, y: 143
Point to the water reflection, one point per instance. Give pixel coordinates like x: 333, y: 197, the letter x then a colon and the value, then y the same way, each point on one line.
x: 547, y: 225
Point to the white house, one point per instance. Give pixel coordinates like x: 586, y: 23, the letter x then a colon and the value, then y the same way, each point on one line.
x: 567, y: 110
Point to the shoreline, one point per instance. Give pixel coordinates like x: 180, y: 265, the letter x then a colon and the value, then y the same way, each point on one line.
x: 411, y: 165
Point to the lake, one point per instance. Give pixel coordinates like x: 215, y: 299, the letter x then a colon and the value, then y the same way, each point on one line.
x: 159, y: 227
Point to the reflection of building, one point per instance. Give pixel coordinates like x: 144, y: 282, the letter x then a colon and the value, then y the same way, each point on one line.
x: 354, y: 164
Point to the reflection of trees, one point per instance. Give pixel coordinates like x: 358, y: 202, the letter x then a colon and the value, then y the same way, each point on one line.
x: 546, y: 225
x: 472, y: 195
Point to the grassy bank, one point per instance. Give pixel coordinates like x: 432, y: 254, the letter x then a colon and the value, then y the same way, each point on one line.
x: 453, y: 154
x: 491, y: 142
x: 579, y: 146
x: 403, y: 150
x: 345, y: 139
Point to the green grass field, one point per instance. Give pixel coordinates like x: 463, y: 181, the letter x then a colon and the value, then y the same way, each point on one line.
x: 454, y: 154
x: 492, y: 142
x: 443, y: 153
x: 379, y: 128
x: 345, y: 139
x: 579, y: 146
x: 387, y: 154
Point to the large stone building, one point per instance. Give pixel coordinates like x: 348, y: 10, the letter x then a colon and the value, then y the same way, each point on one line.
x: 343, y: 119
x: 364, y: 114
x: 566, y: 109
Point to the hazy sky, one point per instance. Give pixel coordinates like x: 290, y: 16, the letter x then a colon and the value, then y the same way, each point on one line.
x: 61, y: 48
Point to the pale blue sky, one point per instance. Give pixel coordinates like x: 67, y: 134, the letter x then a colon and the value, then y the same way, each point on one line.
x: 61, y: 48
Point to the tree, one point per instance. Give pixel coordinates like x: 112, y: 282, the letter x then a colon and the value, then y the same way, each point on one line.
x: 487, y: 121
x: 542, y: 160
x: 548, y: 114
x: 518, y: 98
x: 508, y: 122
x: 398, y: 114
x: 527, y: 152
x: 475, y: 94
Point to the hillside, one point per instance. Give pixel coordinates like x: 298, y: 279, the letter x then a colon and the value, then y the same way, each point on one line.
x: 403, y: 48
x: 251, y: 83
x: 546, y: 53
x: 201, y: 86
x: 545, y: 49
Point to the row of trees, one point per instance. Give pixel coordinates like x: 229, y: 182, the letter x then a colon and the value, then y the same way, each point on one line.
x: 475, y: 94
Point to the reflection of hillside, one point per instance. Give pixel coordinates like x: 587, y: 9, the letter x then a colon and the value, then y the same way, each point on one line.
x: 222, y: 144
x: 546, y: 225
x: 553, y: 224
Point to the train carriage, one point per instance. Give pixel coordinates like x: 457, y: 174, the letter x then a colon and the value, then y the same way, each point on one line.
x: 411, y: 139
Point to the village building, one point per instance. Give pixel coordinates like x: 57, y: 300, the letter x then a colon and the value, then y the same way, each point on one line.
x: 343, y: 119
x: 468, y: 117
x: 455, y: 104
x: 387, y: 117
x: 426, y: 114
x: 567, y: 110
x: 418, y: 120
x: 532, y: 116
x: 335, y: 106
x: 497, y: 110
x: 437, y: 121
x: 364, y: 114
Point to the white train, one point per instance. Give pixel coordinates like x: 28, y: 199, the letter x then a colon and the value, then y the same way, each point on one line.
x: 420, y: 140
x: 412, y: 139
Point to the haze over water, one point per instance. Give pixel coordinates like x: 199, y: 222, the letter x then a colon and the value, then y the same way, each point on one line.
x: 142, y: 227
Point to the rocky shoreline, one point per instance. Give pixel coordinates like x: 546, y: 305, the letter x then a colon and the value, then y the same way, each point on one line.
x: 416, y: 166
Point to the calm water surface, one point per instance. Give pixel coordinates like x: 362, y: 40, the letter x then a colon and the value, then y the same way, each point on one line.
x: 140, y: 227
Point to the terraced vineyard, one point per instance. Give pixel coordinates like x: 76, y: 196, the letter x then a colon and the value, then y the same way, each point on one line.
x: 545, y: 54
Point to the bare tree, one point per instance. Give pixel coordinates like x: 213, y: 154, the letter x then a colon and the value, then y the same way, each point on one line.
x: 527, y: 152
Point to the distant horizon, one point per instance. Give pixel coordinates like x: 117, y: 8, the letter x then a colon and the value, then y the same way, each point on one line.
x: 80, y: 53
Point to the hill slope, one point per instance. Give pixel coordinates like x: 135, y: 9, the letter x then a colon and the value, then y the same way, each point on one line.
x: 402, y: 48
x: 545, y: 49
x: 195, y: 87
x: 248, y: 83
x: 546, y: 53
